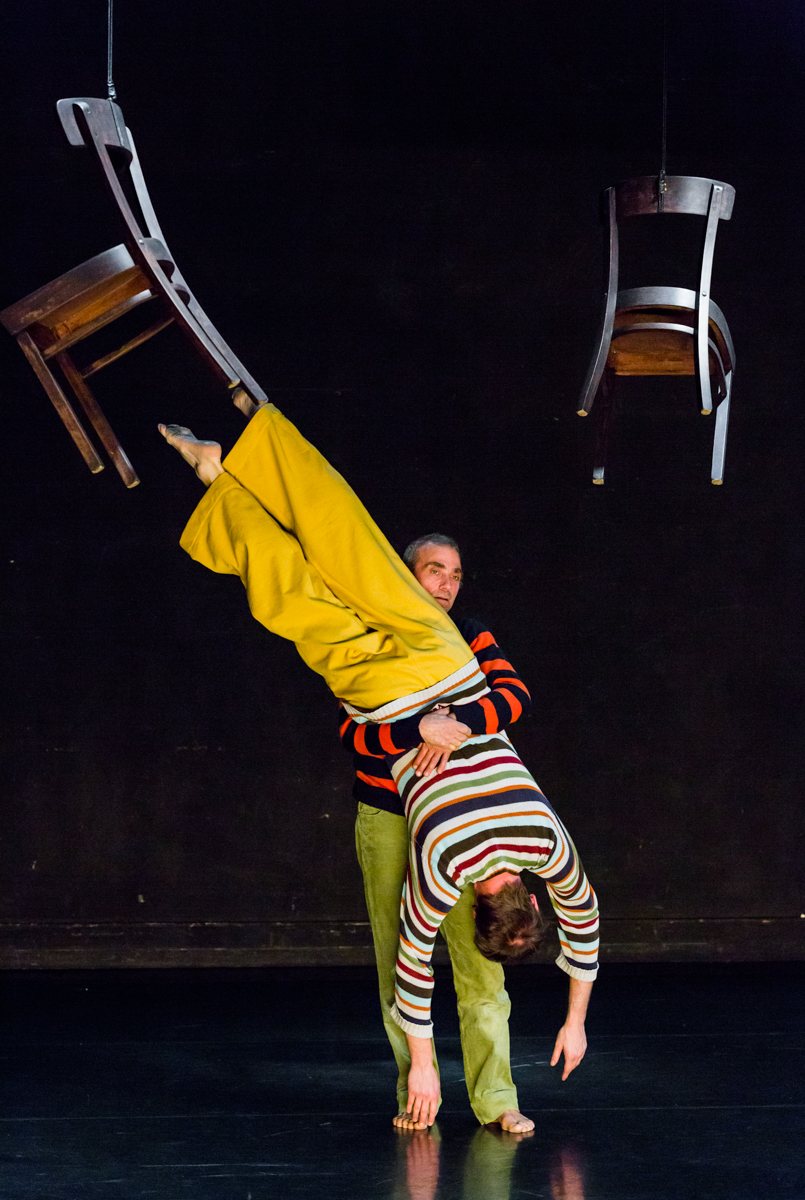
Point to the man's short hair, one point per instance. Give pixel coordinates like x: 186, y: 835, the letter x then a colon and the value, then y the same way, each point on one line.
x: 507, y: 926
x: 411, y: 553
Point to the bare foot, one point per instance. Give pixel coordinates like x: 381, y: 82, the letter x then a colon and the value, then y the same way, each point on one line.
x: 404, y: 1120
x: 513, y: 1121
x: 244, y: 402
x: 204, y: 456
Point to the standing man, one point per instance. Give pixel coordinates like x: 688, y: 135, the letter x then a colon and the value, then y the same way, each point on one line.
x: 381, y: 837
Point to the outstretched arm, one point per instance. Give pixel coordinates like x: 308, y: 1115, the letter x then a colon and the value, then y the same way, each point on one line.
x: 572, y: 1039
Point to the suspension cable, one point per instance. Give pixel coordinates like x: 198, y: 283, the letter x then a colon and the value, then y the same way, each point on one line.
x: 662, y: 187
x: 110, y: 83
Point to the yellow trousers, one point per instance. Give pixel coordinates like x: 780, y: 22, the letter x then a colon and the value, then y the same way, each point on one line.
x: 318, y: 570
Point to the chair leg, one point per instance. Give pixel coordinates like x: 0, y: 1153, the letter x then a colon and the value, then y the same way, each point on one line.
x: 604, y: 425
x: 720, y: 438
x: 60, y: 402
x: 245, y: 379
x: 99, y: 421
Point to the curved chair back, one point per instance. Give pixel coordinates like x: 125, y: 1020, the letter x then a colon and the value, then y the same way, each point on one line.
x: 654, y: 194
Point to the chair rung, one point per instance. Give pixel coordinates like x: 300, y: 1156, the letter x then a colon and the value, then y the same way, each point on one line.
x: 132, y: 344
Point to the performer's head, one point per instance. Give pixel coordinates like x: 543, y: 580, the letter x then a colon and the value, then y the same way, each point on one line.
x: 436, y: 562
x: 508, y: 923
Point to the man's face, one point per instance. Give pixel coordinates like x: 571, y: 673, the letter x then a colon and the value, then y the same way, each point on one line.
x: 438, y: 569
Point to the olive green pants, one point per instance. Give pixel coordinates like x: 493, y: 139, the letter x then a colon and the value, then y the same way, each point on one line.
x: 381, y: 839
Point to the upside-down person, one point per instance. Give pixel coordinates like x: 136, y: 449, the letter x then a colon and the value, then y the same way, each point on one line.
x: 317, y: 570
x: 381, y: 840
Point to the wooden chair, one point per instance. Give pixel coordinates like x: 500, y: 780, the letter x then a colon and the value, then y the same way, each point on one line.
x: 663, y: 330
x: 56, y: 317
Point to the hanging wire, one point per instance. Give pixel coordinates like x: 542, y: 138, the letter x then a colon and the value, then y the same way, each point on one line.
x: 110, y: 83
x: 662, y: 186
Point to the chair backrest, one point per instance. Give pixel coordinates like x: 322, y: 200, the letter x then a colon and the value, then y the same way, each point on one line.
x: 652, y: 194
x: 99, y: 126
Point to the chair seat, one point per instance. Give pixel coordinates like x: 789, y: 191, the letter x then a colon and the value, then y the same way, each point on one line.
x: 660, y: 341
x: 102, y: 287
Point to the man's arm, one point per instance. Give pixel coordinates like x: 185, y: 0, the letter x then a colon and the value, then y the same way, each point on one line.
x: 507, y: 701
x: 438, y: 729
x: 508, y: 697
x: 572, y: 1039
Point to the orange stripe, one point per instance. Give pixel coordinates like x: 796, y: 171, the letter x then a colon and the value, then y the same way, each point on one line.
x: 482, y: 641
x: 510, y: 679
x: 373, y: 781
x: 345, y: 726
x: 387, y: 741
x: 360, y: 739
x: 496, y: 664
x: 492, y: 723
x: 515, y: 704
x: 472, y: 796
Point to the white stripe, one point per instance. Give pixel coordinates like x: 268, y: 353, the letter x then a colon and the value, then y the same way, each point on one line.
x: 407, y: 705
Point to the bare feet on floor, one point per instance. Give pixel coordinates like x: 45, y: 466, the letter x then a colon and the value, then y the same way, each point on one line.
x: 513, y: 1121
x: 244, y: 402
x: 404, y: 1120
x: 204, y: 456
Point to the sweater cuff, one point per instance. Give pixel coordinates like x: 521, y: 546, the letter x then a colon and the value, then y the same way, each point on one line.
x: 417, y: 1031
x: 576, y: 972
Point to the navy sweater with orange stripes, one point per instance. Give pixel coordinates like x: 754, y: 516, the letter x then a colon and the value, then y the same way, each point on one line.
x: 507, y: 700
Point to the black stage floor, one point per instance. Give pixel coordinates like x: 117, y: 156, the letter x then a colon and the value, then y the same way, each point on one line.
x: 242, y: 1085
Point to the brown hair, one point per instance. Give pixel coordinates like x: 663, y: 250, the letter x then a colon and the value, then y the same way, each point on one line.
x: 507, y: 926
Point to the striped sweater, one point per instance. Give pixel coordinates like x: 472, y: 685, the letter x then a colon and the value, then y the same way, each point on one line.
x: 508, y: 699
x: 484, y: 815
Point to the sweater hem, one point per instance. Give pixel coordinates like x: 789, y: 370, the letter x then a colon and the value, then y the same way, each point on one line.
x: 576, y: 972
x: 417, y: 1031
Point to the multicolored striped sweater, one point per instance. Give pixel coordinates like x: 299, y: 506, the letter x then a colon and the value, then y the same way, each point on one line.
x: 507, y: 700
x: 485, y: 814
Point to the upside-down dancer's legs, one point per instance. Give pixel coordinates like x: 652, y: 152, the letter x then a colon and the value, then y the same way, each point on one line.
x: 300, y: 489
x: 400, y: 642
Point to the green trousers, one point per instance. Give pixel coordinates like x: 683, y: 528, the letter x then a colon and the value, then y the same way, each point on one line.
x: 381, y: 839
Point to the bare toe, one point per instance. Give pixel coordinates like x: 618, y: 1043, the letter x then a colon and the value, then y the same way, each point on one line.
x: 404, y: 1120
x: 513, y: 1121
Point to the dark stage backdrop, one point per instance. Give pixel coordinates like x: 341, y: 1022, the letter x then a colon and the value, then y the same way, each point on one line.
x: 391, y: 211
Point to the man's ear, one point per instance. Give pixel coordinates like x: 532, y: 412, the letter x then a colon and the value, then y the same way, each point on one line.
x: 533, y: 899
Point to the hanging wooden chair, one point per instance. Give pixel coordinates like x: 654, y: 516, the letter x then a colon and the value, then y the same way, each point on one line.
x: 663, y: 330
x: 52, y: 320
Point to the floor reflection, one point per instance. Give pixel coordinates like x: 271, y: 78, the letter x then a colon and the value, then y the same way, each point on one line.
x: 567, y: 1177
x: 487, y: 1168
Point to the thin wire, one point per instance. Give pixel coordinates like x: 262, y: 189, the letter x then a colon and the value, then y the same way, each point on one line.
x: 110, y: 83
x: 664, y: 79
x: 662, y: 187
